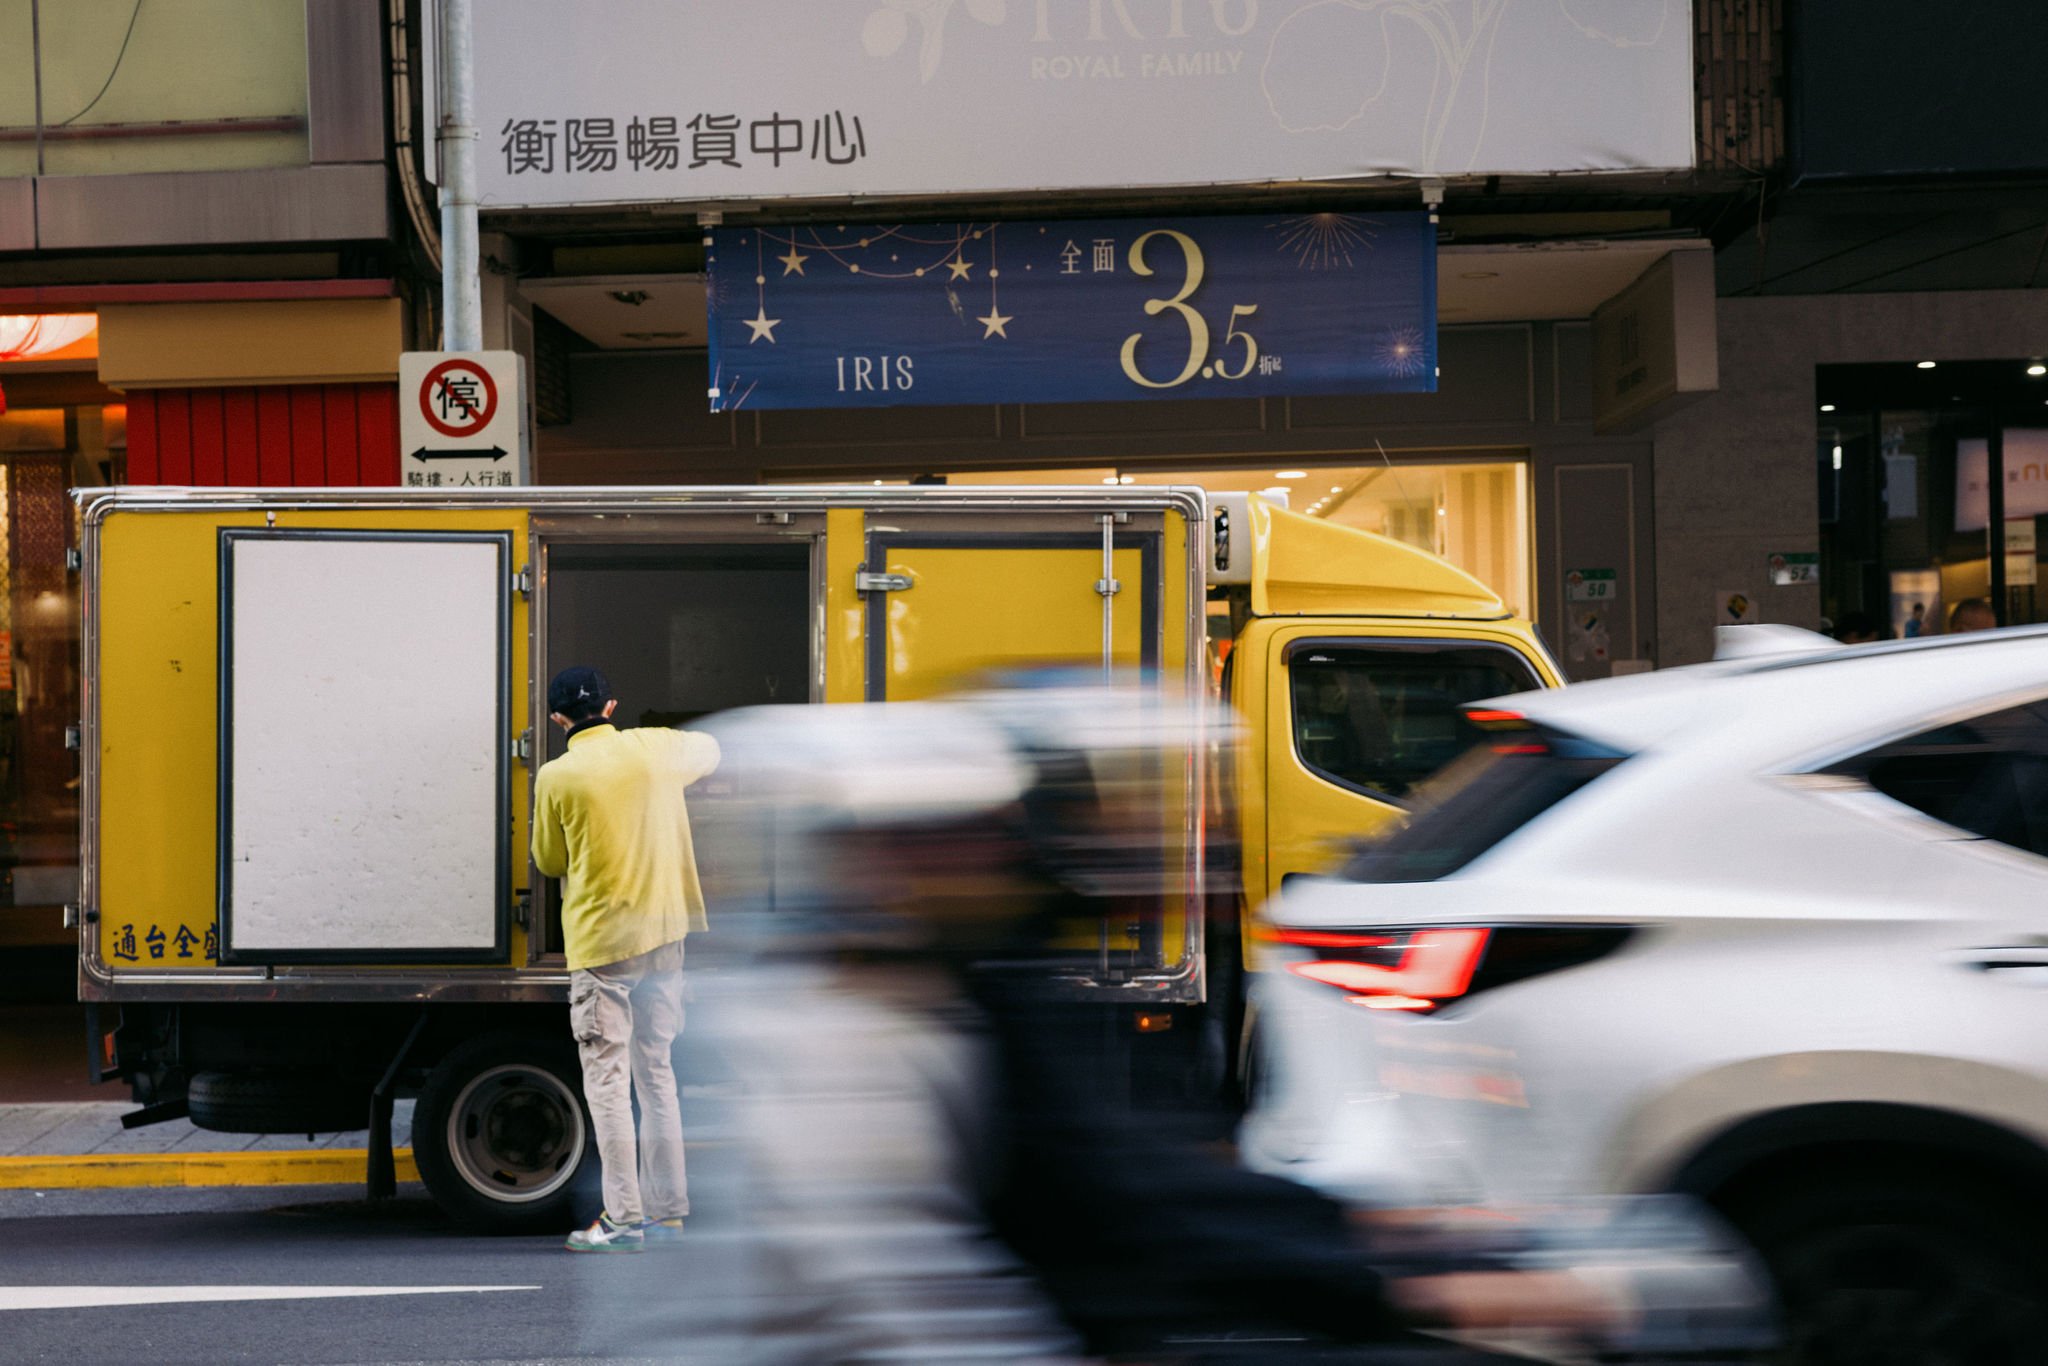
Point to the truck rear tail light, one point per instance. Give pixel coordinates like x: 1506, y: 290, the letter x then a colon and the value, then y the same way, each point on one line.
x: 1419, y: 970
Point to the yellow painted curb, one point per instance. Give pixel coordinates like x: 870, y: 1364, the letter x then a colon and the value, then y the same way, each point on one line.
x: 319, y: 1167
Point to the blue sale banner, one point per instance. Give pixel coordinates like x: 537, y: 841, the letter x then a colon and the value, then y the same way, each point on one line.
x: 1078, y: 311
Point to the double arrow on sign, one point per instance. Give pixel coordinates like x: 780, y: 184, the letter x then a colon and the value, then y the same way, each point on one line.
x: 492, y: 454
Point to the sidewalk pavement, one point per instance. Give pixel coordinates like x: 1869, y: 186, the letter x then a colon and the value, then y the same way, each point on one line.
x: 73, y: 1144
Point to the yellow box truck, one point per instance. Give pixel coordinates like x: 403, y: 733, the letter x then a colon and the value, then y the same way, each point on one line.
x: 311, y: 720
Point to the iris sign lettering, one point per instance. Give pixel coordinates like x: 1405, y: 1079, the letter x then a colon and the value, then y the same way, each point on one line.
x: 1152, y: 24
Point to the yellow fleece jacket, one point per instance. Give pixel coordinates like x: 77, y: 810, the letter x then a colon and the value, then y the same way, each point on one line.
x: 609, y: 821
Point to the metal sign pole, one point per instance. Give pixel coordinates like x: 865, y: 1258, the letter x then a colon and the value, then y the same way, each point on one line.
x: 462, y: 309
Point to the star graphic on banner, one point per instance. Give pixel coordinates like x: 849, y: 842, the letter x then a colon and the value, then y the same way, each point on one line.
x: 994, y: 322
x: 763, y: 325
x: 959, y: 267
x: 793, y: 263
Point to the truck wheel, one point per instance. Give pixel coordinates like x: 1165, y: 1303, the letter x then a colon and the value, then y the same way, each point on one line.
x: 278, y: 1103
x: 1900, y: 1266
x: 501, y: 1135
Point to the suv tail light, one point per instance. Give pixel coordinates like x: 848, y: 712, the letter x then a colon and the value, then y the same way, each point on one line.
x: 1420, y: 969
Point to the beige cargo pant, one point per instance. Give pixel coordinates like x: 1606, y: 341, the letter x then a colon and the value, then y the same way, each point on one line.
x: 625, y: 1017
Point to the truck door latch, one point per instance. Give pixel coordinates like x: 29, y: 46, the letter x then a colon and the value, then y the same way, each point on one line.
x: 522, y: 747
x: 864, y: 582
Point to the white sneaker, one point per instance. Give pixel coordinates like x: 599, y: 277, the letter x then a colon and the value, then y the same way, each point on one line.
x: 605, y: 1235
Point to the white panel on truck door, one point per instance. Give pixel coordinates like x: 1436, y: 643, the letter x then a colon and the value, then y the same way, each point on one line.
x: 363, y: 746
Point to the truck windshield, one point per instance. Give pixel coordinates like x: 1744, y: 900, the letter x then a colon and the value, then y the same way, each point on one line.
x: 1495, y: 789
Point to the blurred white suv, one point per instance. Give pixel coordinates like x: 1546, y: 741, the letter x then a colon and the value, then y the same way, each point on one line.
x: 1772, y: 931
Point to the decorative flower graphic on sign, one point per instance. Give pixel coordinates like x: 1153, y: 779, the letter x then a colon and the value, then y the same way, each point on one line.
x: 888, y: 28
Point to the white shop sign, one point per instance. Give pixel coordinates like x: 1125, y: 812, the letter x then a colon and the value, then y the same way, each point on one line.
x: 663, y: 100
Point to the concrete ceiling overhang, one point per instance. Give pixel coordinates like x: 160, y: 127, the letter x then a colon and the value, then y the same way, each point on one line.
x: 1521, y: 282
x: 1542, y: 281
x: 625, y: 312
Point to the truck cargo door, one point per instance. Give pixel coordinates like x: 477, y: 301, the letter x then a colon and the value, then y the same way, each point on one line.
x: 950, y: 604
x: 365, y: 706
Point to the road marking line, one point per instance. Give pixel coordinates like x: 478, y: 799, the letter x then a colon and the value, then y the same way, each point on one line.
x: 315, y: 1167
x: 108, y: 1296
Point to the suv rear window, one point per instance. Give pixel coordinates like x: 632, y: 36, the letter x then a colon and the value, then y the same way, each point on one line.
x: 1987, y: 775
x: 1380, y: 716
x: 1495, y: 789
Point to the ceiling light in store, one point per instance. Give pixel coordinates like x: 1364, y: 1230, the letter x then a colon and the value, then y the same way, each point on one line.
x: 1443, y: 512
x: 1336, y: 488
x: 1924, y: 365
x: 2037, y: 369
x: 1290, y: 474
x: 1127, y: 479
x: 1281, y: 489
x: 1827, y: 407
x: 1109, y: 479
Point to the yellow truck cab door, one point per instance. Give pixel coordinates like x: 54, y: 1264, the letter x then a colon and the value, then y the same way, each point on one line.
x: 1357, y: 714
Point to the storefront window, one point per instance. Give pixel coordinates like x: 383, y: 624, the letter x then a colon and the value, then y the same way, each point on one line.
x: 1904, y: 458
x: 39, y: 695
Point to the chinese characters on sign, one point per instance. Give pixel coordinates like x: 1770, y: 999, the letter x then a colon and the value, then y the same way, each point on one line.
x: 655, y: 142
x: 817, y: 316
x: 153, y: 945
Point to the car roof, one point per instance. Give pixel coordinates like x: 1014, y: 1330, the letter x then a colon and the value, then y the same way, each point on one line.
x: 1804, y: 697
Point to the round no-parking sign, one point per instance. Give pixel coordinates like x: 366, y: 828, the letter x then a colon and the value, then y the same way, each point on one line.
x: 459, y: 419
x: 458, y: 397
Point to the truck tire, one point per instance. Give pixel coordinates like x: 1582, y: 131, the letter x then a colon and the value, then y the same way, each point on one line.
x: 278, y: 1102
x: 502, y: 1137
x: 1900, y: 1265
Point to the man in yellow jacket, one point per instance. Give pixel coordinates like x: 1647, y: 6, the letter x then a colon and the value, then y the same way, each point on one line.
x: 609, y: 821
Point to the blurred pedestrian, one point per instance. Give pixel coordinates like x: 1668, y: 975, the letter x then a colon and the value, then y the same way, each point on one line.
x: 609, y: 820
x: 1917, y: 622
x: 1972, y: 614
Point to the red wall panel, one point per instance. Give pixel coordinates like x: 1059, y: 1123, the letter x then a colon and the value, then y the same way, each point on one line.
x: 289, y: 435
x: 142, y: 440
x: 274, y: 436
x: 209, y: 438
x: 174, y: 436
x: 339, y: 441
x: 377, y: 432
x: 240, y: 413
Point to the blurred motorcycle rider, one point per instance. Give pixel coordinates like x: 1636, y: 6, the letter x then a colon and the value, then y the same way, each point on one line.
x: 982, y: 834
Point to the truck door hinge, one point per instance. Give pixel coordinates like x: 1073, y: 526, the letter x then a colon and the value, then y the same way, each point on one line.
x: 74, y: 559
x: 522, y: 910
x: 772, y: 518
x: 70, y: 915
x: 522, y: 582
x: 1109, y: 588
x: 74, y: 737
x: 522, y: 746
x: 864, y: 582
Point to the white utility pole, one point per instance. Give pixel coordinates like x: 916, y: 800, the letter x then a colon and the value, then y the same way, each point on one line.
x: 462, y: 304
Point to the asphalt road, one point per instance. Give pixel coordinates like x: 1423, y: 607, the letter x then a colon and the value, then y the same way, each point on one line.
x: 525, y: 1299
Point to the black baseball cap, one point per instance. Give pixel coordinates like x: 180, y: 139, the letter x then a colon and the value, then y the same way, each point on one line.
x: 578, y: 691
